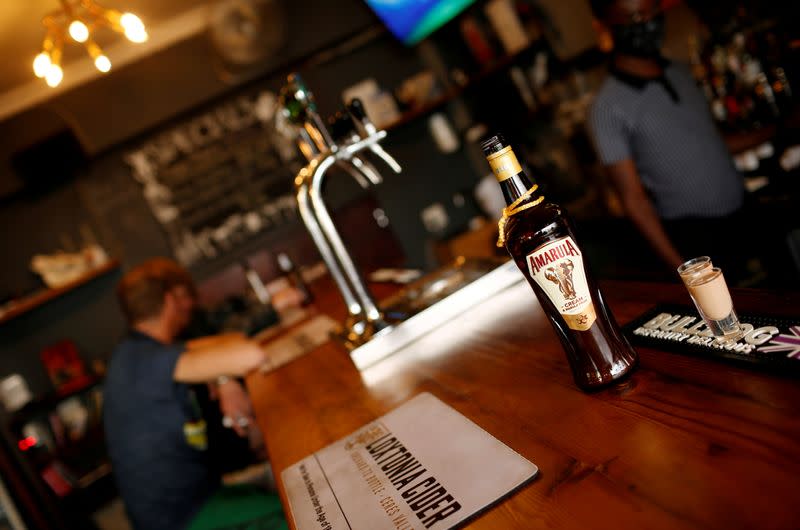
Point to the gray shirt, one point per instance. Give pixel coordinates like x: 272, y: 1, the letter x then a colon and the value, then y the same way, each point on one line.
x: 666, y: 128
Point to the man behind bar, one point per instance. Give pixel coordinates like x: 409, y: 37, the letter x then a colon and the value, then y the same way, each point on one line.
x: 155, y: 432
x: 653, y: 131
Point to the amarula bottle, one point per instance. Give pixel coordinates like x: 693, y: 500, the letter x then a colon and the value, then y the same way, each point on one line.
x: 540, y: 238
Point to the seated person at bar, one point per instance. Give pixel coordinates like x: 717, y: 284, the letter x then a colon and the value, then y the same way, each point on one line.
x: 155, y: 433
x: 653, y: 130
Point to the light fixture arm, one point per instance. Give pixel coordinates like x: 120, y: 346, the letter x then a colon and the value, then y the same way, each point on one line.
x: 78, y: 19
x: 67, y: 8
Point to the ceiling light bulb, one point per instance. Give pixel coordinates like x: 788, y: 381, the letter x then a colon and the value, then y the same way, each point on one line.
x: 54, y: 75
x: 137, y: 35
x: 102, y: 63
x: 78, y: 31
x: 130, y: 21
x: 133, y: 27
x: 41, y: 64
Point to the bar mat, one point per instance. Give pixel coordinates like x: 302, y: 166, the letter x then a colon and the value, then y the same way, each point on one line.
x: 770, y: 342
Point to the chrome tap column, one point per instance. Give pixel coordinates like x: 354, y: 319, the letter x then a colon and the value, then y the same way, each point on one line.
x: 315, y: 141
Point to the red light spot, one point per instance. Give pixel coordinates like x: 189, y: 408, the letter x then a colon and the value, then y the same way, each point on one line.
x: 27, y: 443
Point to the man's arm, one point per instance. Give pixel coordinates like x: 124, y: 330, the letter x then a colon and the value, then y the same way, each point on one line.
x: 231, y: 357
x: 212, y: 340
x: 640, y: 209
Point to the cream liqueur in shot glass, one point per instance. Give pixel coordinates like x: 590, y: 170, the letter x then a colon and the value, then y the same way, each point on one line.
x: 707, y: 287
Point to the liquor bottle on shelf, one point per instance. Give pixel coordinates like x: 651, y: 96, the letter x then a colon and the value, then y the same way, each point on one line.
x: 288, y: 268
x: 258, y: 315
x: 539, y: 237
x: 766, y: 105
x: 257, y: 286
x: 782, y: 88
x: 744, y: 79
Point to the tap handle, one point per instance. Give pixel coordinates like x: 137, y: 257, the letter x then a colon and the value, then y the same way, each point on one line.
x: 300, y: 91
x: 341, y: 127
x: 359, y: 114
x: 296, y: 101
x: 356, y: 109
x: 299, y: 107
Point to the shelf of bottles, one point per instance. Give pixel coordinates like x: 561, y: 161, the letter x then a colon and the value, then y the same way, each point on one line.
x: 745, y: 76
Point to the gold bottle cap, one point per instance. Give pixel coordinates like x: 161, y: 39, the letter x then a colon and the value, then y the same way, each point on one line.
x: 504, y: 164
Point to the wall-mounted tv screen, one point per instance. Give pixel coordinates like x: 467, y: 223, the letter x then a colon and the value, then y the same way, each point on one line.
x: 413, y: 20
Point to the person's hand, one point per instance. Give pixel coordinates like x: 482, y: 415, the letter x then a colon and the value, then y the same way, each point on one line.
x: 234, y: 403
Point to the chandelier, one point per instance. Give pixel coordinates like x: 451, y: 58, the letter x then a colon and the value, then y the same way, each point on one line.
x: 76, y: 20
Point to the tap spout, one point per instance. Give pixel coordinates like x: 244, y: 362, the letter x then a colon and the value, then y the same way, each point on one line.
x: 302, y: 181
x: 316, y: 179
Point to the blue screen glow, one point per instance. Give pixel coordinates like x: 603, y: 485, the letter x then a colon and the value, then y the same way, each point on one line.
x: 413, y: 20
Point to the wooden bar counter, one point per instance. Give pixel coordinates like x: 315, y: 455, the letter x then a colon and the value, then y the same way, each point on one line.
x: 683, y: 443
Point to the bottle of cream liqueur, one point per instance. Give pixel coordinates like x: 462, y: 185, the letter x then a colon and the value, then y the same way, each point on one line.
x: 539, y: 237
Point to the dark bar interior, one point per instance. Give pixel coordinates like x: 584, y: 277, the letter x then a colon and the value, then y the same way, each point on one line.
x: 242, y: 237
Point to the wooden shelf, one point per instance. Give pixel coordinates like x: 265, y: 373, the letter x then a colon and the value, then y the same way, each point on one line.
x: 28, y: 303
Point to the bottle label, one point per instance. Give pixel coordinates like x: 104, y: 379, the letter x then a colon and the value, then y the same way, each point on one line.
x: 504, y: 164
x: 557, y: 267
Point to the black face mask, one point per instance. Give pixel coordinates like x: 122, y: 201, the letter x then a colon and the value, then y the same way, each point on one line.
x: 641, y: 39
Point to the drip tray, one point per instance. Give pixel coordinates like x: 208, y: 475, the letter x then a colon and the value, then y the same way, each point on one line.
x: 429, y: 302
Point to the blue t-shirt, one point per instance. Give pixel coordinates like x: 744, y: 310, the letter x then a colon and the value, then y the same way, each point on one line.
x: 155, y: 436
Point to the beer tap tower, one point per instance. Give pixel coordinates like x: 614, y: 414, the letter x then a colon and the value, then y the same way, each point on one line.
x: 319, y: 146
x: 367, y: 334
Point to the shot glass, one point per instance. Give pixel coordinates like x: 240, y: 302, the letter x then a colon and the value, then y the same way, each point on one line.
x: 709, y: 292
x: 693, y: 266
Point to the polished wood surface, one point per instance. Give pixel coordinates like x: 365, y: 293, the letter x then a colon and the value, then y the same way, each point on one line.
x: 683, y: 443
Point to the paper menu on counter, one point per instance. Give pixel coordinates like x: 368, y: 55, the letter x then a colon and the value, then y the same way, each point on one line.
x: 422, y: 465
x: 297, y: 342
